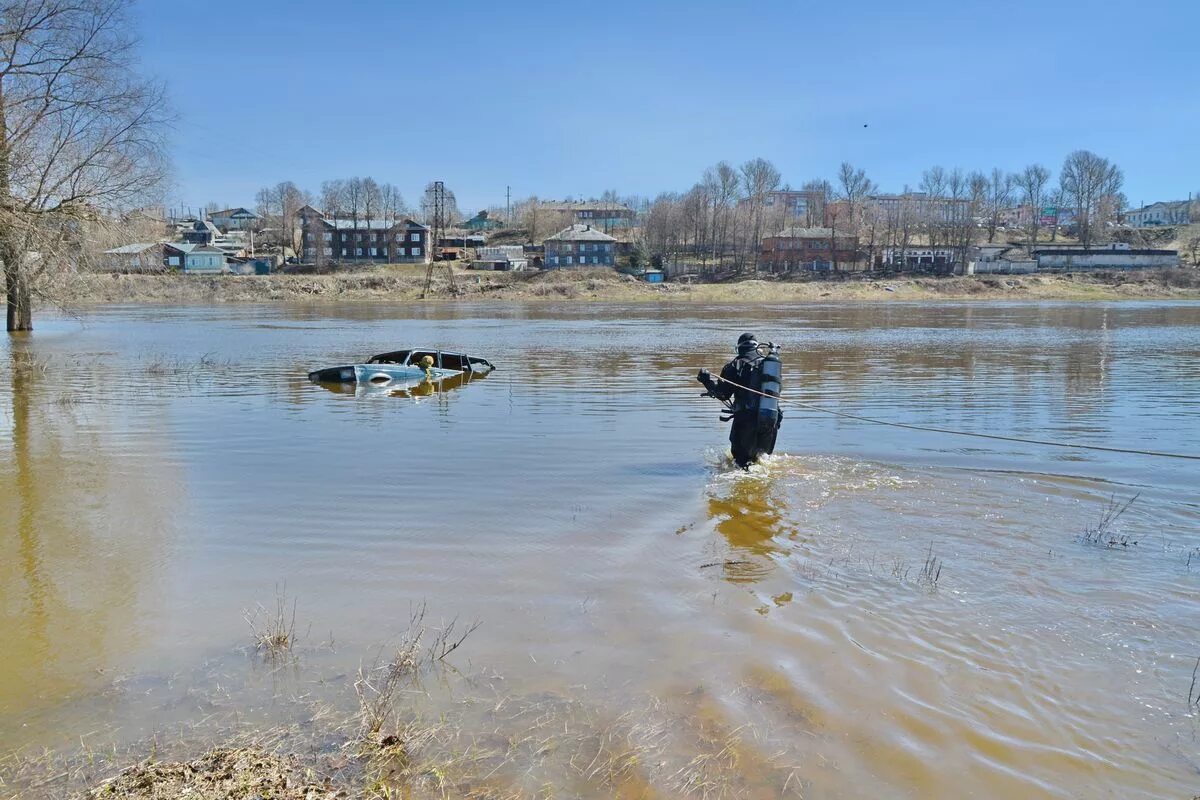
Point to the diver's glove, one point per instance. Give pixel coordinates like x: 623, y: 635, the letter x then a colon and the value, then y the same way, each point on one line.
x: 705, y: 377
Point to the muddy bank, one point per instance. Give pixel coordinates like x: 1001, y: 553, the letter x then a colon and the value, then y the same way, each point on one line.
x: 603, y: 285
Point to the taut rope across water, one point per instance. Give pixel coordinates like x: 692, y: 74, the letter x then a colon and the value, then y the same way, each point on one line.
x: 952, y: 432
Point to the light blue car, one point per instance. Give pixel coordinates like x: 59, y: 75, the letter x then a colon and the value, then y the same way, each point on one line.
x: 400, y: 366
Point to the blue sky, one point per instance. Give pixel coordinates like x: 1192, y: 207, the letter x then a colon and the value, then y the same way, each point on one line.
x: 561, y: 100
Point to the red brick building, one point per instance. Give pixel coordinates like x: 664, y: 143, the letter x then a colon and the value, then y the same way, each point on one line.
x: 808, y: 249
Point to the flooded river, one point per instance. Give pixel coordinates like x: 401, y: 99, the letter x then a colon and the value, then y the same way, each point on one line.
x: 874, y: 612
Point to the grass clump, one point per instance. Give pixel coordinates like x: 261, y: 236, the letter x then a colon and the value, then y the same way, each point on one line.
x: 1102, y: 533
x: 273, y: 631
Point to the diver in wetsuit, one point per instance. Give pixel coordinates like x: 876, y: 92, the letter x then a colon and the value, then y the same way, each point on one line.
x: 756, y: 419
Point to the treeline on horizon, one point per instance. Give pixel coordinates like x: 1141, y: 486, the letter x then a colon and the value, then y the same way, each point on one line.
x: 726, y: 214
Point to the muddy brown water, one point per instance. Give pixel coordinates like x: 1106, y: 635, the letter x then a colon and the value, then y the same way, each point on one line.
x: 165, y: 468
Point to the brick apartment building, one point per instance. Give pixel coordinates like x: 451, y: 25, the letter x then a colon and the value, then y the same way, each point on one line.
x: 808, y: 249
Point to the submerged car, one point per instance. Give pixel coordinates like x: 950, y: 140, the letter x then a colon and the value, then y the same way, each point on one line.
x: 403, y: 366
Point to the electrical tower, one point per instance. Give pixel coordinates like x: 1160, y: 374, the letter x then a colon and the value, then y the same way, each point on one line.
x: 435, y: 201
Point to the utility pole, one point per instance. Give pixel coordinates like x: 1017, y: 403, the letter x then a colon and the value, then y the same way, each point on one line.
x: 436, y: 196
x: 508, y: 205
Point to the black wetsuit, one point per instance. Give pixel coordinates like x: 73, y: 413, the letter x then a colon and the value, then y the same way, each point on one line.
x: 751, y: 433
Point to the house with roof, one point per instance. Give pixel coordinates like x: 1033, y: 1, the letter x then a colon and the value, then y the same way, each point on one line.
x: 580, y: 245
x: 807, y: 249
x: 141, y: 257
x: 501, y: 258
x: 204, y: 259
x: 200, y: 231
x: 603, y: 214
x: 482, y: 222
x: 1178, y: 212
x: 235, y: 219
x: 333, y: 239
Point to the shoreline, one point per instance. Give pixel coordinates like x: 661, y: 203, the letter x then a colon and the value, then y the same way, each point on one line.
x: 407, y: 284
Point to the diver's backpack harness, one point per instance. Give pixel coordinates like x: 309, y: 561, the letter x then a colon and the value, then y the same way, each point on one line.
x: 758, y: 373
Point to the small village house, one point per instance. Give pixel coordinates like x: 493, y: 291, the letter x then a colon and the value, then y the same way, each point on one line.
x: 204, y: 259
x: 482, y: 222
x: 501, y: 258
x: 141, y: 257
x: 797, y: 248
x: 580, y: 246
x: 200, y: 231
x: 1156, y: 214
x: 233, y: 219
x: 337, y: 240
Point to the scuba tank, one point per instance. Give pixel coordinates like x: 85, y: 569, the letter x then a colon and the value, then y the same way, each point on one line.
x: 769, y: 376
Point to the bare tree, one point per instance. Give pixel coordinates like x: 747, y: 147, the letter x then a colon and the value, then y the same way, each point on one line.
x: 933, y: 184
x: 759, y: 177
x: 372, y: 199
x: 79, y: 131
x: 355, y: 199
x: 998, y: 198
x: 1032, y: 182
x: 1089, y: 184
x: 820, y: 196
x: 724, y: 181
x: 392, y: 203
x: 854, y: 188
x: 279, y: 205
x: 963, y: 194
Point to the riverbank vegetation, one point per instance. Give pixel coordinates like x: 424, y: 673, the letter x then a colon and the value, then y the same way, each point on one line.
x: 407, y: 284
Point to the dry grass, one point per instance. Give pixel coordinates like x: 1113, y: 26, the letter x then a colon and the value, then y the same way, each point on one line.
x: 485, y: 745
x: 1102, y: 533
x: 383, y: 283
x: 27, y: 363
x: 380, y: 685
x: 221, y: 774
x: 273, y: 631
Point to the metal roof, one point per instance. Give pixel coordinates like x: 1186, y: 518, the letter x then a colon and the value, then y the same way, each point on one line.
x: 131, y: 249
x: 805, y: 233
x: 580, y: 233
x: 368, y: 225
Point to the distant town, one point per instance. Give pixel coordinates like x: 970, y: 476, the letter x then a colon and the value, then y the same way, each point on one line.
x: 736, y: 222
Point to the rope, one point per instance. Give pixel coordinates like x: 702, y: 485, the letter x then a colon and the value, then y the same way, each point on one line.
x: 993, y: 436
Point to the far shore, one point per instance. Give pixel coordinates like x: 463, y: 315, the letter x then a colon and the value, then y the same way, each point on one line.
x: 407, y: 284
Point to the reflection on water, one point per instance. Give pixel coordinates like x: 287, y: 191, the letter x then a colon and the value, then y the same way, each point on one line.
x: 74, y: 574
x: 416, y: 387
x: 574, y: 501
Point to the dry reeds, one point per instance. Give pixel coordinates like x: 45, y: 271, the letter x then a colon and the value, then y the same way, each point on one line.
x: 1101, y: 533
x: 273, y: 630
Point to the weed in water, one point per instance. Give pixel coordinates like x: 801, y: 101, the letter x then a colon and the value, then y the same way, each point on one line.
x: 1101, y: 533
x: 932, y: 571
x: 273, y: 631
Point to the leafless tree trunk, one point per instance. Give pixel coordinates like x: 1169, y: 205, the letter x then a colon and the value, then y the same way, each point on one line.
x: 1032, y: 183
x: 1090, y: 184
x: 999, y: 197
x: 759, y: 177
x: 855, y: 187
x: 79, y: 131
